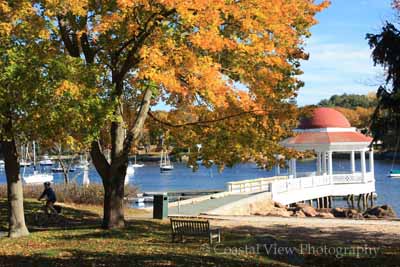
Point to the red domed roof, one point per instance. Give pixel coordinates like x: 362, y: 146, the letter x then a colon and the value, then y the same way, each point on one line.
x: 325, y: 118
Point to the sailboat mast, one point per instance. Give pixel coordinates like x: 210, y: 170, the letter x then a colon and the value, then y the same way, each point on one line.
x: 34, y: 153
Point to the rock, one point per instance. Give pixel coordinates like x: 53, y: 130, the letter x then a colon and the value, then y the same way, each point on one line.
x: 301, y: 205
x: 352, y: 213
x: 368, y: 216
x: 339, y: 212
x: 279, y: 212
x: 299, y: 214
x: 307, y: 209
x: 279, y: 205
x: 325, y: 215
x: 384, y: 211
x: 324, y: 210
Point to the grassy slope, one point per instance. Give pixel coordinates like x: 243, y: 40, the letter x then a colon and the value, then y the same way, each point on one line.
x: 78, y: 241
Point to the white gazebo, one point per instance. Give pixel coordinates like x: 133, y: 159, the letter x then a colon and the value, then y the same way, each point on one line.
x: 327, y: 131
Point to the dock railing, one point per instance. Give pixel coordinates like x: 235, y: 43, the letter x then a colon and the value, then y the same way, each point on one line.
x: 278, y: 184
x: 253, y: 185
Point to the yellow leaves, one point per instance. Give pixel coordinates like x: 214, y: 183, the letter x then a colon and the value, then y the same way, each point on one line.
x: 68, y: 87
x: 62, y: 7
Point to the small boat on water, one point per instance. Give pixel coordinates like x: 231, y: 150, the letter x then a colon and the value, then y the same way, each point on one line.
x: 46, y: 161
x: 2, y: 164
x: 37, y: 178
x: 83, y: 163
x: 394, y: 174
x: 136, y: 165
x: 165, y: 163
x: 59, y: 169
x: 24, y: 163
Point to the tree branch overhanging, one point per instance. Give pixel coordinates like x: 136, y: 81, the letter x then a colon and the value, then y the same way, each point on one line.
x: 205, y: 123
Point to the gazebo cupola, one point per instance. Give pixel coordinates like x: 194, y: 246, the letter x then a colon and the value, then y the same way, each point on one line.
x: 327, y: 131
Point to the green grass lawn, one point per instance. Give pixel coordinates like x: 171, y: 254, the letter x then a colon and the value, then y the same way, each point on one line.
x: 78, y: 241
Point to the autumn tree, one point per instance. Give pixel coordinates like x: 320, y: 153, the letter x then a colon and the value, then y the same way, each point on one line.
x: 386, y: 53
x: 37, y: 96
x: 211, y: 58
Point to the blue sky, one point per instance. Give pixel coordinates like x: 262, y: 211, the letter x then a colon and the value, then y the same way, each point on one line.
x: 340, y: 58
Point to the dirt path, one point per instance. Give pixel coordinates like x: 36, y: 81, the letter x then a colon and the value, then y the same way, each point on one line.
x: 332, y: 231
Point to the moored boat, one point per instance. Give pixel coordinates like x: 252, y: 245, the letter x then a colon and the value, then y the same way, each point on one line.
x: 165, y: 163
x: 46, y: 161
x: 394, y: 173
x: 37, y: 178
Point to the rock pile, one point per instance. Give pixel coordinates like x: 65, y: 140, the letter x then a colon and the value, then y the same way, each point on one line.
x: 302, y: 210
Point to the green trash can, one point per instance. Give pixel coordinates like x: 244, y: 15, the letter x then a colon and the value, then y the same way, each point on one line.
x: 160, y: 206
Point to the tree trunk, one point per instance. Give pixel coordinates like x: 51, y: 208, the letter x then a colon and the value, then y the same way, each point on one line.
x: 113, y: 216
x: 16, y: 217
x: 113, y: 175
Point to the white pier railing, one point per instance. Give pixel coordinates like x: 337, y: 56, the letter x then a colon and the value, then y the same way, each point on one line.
x: 253, y: 185
x: 286, y: 190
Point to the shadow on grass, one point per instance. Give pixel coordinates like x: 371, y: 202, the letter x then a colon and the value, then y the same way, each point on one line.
x: 70, y: 218
x: 324, y: 246
x: 84, y: 258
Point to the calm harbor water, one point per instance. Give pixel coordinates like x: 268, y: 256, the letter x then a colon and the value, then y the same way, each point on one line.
x: 149, y: 178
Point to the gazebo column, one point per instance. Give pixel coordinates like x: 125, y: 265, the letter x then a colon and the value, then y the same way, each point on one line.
x: 323, y: 155
x: 318, y: 163
x: 293, y: 167
x: 363, y: 167
x: 353, y: 161
x: 371, y: 162
x: 330, y: 165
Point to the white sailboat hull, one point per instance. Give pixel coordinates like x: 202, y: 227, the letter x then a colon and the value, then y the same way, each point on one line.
x: 38, y: 178
x: 137, y: 165
x: 165, y: 163
x: 46, y: 162
x: 166, y: 168
x: 394, y: 175
x: 25, y: 164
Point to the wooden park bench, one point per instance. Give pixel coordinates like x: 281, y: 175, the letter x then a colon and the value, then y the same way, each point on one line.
x: 186, y: 226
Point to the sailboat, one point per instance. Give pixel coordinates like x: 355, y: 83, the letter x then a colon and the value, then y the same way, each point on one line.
x: 46, y: 161
x: 394, y: 173
x: 36, y: 177
x: 83, y: 163
x: 135, y: 165
x: 165, y: 163
x: 58, y: 168
x: 25, y: 155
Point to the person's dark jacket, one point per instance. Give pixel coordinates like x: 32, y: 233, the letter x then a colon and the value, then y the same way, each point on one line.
x: 49, y: 194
